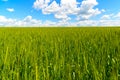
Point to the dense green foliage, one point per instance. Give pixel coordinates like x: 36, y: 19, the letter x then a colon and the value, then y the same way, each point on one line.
x: 59, y: 53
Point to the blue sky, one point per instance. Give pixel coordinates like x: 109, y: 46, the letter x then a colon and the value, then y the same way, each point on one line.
x: 59, y: 13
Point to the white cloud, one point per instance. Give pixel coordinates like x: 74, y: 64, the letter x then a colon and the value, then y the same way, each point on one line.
x: 105, y: 17
x: 61, y: 15
x: 112, y: 16
x: 30, y: 22
x: 6, y: 21
x: 105, y: 20
x: 10, y: 9
x: 52, y: 8
x: 87, y: 10
x: 92, y: 23
x: 117, y: 15
x: 68, y: 7
x: 109, y: 23
x: 40, y: 4
x: 49, y: 23
x: 85, y: 23
x: 103, y: 10
x: 27, y: 21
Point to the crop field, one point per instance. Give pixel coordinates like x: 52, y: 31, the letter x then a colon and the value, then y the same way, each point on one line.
x: 60, y: 53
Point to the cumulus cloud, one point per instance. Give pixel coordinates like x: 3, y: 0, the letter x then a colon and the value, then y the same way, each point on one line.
x: 49, y: 23
x: 92, y: 23
x: 6, y: 21
x: 40, y: 4
x: 87, y: 10
x: 30, y: 22
x: 52, y: 8
x: 27, y: 21
x: 106, y: 17
x: 112, y: 16
x: 105, y: 20
x: 117, y: 15
x: 62, y: 11
x: 85, y: 23
x: 10, y: 9
x: 109, y: 23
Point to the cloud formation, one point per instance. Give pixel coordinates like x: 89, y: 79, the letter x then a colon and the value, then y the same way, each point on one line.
x: 117, y: 15
x: 63, y: 11
x: 87, y: 10
x: 10, y: 9
x: 27, y: 21
x: 106, y: 20
x: 106, y: 17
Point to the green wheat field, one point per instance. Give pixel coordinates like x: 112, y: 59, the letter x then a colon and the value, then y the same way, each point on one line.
x: 60, y: 53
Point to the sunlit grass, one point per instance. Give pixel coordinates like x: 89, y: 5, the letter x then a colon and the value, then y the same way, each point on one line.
x: 59, y: 53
